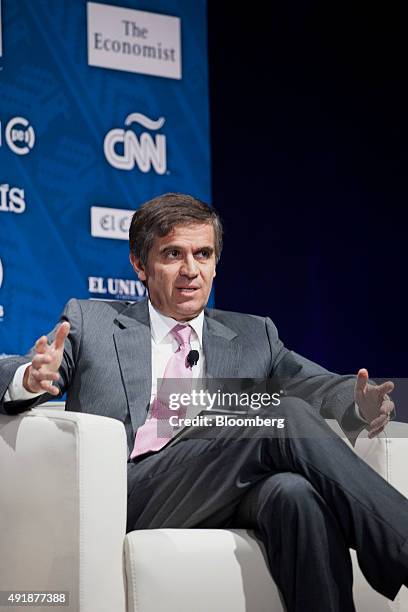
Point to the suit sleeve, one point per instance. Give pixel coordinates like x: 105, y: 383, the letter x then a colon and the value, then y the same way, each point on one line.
x: 8, y: 366
x: 332, y: 395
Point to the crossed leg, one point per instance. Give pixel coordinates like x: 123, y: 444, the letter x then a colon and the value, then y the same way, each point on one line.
x: 306, y: 550
x: 239, y: 475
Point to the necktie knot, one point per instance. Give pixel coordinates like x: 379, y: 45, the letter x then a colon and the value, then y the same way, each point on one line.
x: 182, y: 333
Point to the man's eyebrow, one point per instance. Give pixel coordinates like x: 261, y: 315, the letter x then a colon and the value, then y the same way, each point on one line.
x: 205, y: 248
x: 169, y: 247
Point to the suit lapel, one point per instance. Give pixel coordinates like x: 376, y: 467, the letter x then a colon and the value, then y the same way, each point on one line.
x: 222, y: 349
x: 133, y: 346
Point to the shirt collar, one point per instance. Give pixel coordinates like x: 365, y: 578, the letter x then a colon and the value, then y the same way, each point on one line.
x: 161, y: 325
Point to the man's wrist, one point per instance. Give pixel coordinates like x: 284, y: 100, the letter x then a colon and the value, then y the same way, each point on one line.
x: 25, y: 379
x: 18, y: 389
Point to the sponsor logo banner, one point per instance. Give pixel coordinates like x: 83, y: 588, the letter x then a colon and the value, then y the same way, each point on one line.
x: 11, y: 199
x: 134, y: 41
x: 1, y: 27
x: 1, y: 282
x: 110, y: 222
x: 19, y: 135
x: 124, y: 149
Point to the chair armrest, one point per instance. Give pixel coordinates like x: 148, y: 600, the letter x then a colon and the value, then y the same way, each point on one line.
x: 63, y: 506
x: 396, y: 446
x: 387, y: 453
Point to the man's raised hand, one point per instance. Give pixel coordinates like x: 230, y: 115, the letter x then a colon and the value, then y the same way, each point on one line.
x: 373, y: 402
x: 43, y: 371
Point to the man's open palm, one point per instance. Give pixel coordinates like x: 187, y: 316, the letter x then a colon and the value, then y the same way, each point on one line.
x: 373, y: 402
x: 43, y: 371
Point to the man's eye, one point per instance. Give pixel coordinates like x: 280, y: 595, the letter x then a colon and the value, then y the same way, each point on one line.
x: 204, y: 253
x: 172, y: 254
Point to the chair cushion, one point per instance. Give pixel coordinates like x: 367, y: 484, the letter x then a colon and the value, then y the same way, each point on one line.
x: 180, y: 570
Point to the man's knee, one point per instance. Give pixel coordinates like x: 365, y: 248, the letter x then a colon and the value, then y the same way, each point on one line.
x: 290, y: 485
x: 287, y: 490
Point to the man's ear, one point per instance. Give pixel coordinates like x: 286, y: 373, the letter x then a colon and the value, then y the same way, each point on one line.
x: 137, y: 266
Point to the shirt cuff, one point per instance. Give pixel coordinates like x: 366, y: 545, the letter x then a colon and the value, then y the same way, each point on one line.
x: 16, y: 391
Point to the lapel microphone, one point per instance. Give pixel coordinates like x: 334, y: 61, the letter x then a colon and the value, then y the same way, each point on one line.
x: 192, y: 358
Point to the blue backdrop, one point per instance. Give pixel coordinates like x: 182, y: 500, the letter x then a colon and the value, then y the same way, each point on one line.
x: 76, y: 137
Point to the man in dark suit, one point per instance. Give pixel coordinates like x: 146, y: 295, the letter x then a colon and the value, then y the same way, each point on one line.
x: 306, y: 493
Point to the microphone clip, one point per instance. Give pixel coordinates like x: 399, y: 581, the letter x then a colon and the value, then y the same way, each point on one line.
x: 192, y: 358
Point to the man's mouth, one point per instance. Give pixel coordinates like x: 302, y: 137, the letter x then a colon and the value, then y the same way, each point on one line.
x: 187, y: 289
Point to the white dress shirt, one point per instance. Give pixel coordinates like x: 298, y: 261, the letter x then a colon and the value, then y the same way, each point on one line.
x: 164, y: 344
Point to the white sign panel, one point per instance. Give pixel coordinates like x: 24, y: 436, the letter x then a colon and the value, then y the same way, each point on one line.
x: 110, y: 222
x: 135, y: 41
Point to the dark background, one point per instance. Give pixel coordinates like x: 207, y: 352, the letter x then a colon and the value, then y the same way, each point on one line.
x: 309, y: 162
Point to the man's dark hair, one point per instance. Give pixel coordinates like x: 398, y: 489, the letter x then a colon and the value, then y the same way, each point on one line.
x: 159, y: 216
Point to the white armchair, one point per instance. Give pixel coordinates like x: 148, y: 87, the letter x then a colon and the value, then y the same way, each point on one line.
x: 63, y: 517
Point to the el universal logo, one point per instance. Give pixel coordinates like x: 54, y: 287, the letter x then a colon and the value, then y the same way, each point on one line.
x: 1, y: 282
x: 119, y: 288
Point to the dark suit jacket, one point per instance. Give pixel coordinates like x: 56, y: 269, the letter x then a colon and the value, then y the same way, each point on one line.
x: 106, y: 367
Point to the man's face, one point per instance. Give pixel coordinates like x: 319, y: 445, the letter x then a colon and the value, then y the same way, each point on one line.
x: 180, y: 270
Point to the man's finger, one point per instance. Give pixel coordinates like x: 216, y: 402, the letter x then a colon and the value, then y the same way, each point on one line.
x: 378, y: 425
x: 49, y: 387
x: 379, y: 421
x: 41, y: 345
x: 375, y: 432
x: 385, y: 388
x: 361, y: 382
x: 387, y: 407
x: 40, y: 359
x: 39, y: 375
x: 62, y: 333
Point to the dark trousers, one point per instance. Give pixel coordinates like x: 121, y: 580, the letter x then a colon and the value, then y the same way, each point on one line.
x: 305, y: 492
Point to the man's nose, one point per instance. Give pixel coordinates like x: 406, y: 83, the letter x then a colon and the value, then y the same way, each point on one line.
x: 189, y: 267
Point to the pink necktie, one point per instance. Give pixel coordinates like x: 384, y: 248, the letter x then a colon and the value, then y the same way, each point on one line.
x: 157, y: 431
